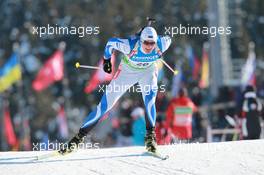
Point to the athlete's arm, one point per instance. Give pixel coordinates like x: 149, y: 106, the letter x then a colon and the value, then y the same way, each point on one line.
x: 122, y: 45
x: 164, y: 43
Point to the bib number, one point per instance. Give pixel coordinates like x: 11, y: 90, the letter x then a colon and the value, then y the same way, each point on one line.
x: 142, y: 65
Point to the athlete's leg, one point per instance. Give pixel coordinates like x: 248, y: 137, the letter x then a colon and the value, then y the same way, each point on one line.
x: 123, y: 81
x: 118, y: 86
x: 149, y: 88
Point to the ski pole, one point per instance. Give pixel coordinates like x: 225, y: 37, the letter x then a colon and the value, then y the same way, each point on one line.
x: 150, y: 21
x: 78, y: 65
x: 175, y: 72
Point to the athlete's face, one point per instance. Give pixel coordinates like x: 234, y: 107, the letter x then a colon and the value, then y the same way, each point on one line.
x: 148, y: 46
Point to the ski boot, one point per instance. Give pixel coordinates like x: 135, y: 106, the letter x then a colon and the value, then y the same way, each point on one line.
x: 150, y: 141
x: 73, y: 144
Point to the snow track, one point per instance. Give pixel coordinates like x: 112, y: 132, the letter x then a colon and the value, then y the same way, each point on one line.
x: 242, y: 157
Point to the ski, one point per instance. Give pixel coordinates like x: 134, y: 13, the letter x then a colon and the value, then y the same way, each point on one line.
x: 158, y: 155
x: 48, y: 155
x: 54, y: 153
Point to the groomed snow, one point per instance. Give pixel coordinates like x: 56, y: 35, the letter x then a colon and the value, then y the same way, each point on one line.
x: 234, y: 158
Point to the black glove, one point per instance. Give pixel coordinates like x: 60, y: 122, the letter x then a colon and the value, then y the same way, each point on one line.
x: 107, y: 66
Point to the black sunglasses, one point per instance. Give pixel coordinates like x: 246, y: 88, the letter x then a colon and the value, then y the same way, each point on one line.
x: 148, y: 43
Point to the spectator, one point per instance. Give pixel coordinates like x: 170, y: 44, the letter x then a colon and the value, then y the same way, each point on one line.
x: 179, y: 115
x: 251, y: 112
x: 138, y: 126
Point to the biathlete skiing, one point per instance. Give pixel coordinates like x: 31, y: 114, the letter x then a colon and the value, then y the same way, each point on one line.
x: 141, y: 51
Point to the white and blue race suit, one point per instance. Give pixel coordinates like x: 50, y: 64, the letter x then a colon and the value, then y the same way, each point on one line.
x: 135, y: 67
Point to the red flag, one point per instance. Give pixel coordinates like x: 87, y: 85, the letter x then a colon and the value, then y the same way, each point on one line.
x: 100, y: 76
x: 9, y: 130
x: 62, y: 122
x: 196, y: 69
x: 51, y: 71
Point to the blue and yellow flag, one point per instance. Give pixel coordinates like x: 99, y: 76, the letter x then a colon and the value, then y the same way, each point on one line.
x: 10, y: 73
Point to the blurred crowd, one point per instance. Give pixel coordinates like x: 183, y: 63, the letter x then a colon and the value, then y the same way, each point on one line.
x: 35, y: 114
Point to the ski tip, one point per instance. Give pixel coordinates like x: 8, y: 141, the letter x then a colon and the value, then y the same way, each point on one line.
x: 165, y: 157
x: 158, y: 155
x: 48, y: 155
